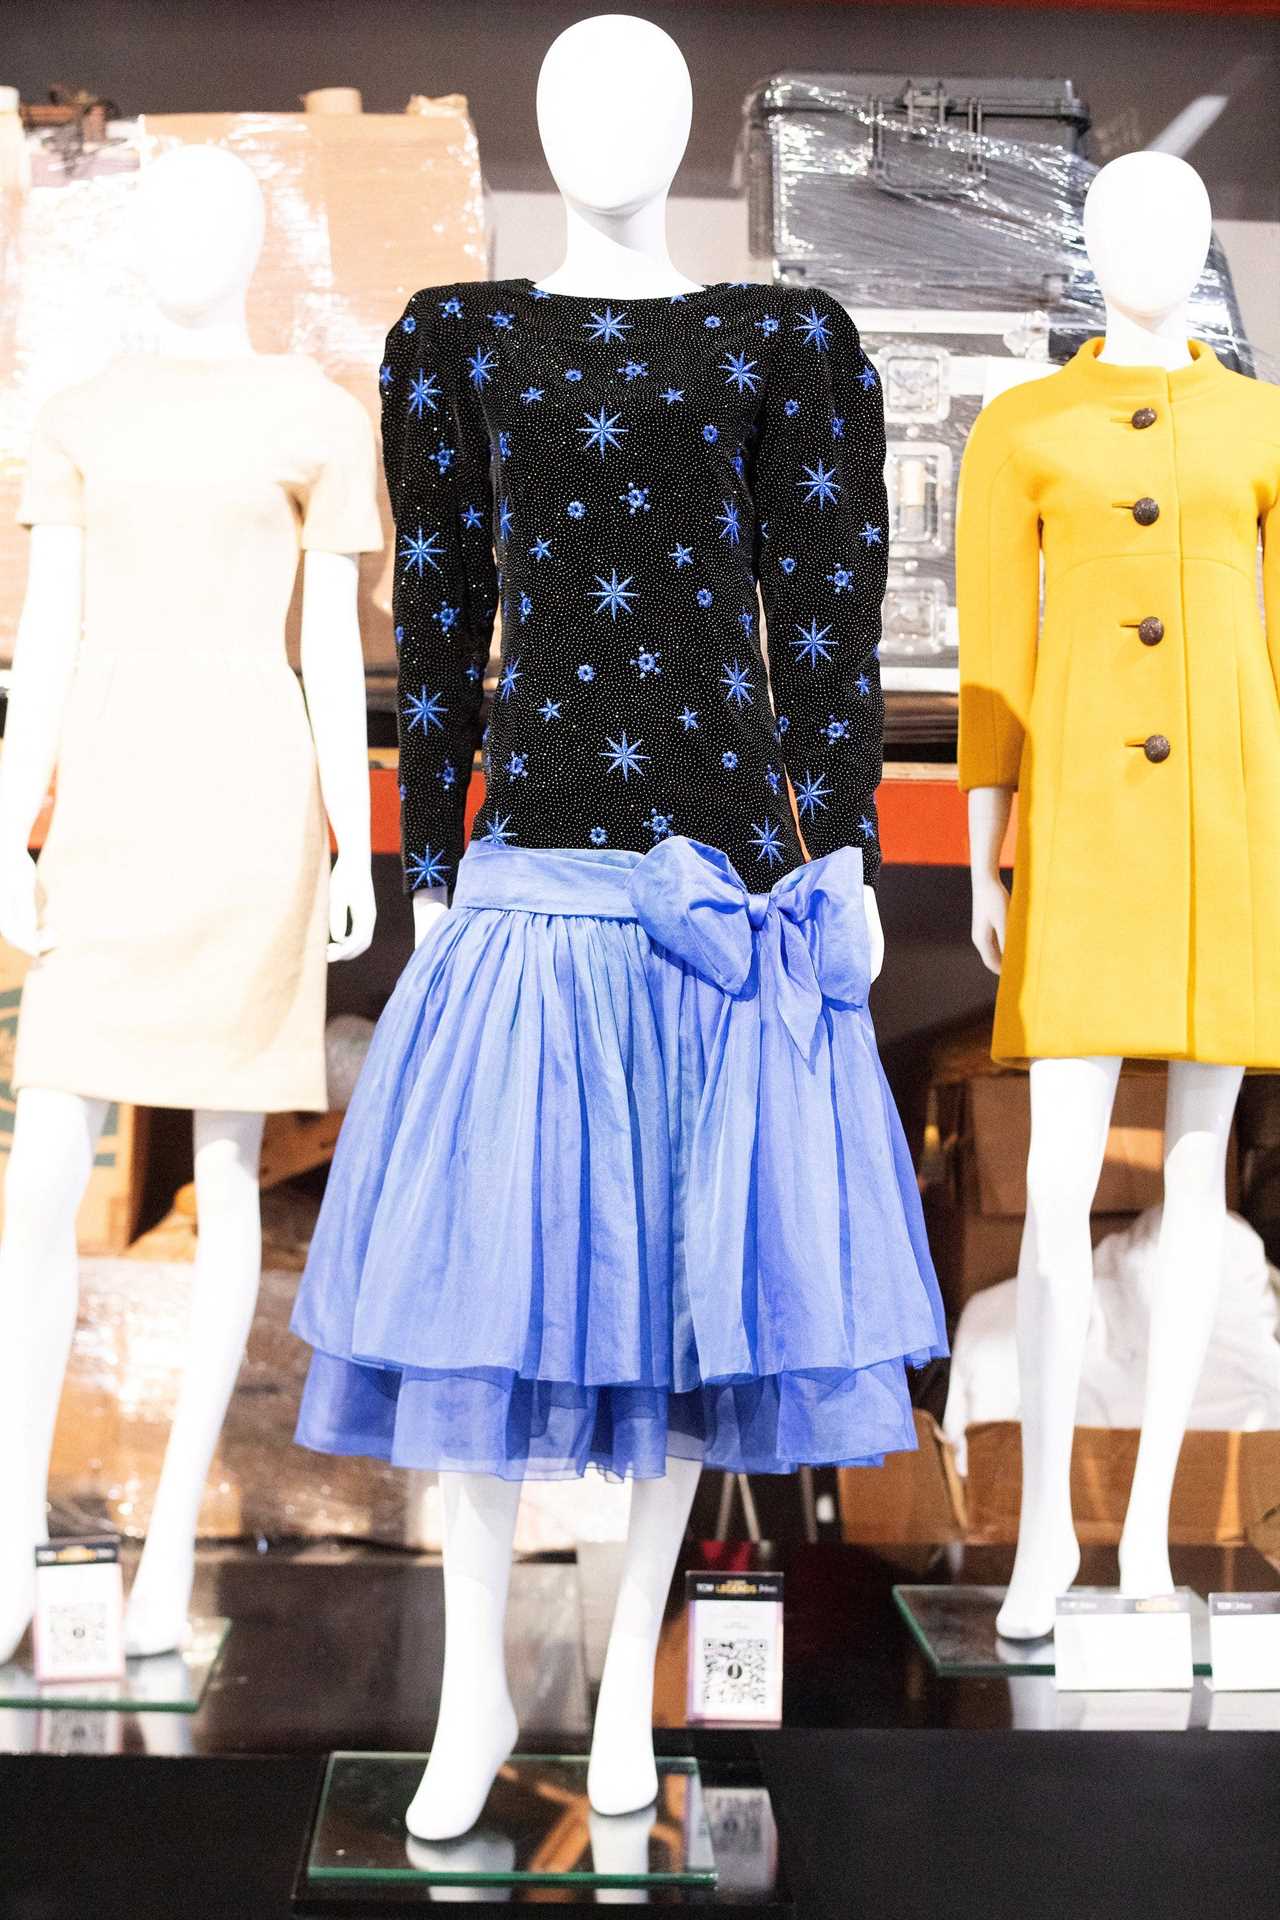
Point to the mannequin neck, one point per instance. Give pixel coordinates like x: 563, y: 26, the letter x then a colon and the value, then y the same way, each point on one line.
x: 221, y: 333
x: 1134, y: 342
x: 609, y: 254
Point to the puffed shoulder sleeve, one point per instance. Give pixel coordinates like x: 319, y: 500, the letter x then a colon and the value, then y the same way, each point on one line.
x: 53, y: 486
x: 340, y: 500
x: 997, y: 601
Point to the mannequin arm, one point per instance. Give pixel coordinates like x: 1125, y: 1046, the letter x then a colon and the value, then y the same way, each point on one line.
x: 429, y: 905
x: 333, y: 677
x: 989, y: 810
x: 44, y: 661
x: 875, y: 932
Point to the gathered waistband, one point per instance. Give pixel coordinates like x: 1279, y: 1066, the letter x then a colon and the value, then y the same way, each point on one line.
x: 808, y: 930
x: 573, y: 880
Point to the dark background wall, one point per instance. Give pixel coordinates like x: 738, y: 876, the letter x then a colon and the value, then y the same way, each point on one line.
x: 1136, y: 69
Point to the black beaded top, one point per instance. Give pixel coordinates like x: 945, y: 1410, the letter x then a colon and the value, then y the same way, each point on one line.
x: 639, y: 466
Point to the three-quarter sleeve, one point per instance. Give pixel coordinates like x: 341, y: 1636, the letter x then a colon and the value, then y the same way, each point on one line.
x: 435, y: 449
x: 997, y: 602
x: 53, y: 486
x: 822, y: 563
x: 340, y: 505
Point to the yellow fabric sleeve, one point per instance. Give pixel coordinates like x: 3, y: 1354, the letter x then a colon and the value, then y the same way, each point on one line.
x: 997, y: 602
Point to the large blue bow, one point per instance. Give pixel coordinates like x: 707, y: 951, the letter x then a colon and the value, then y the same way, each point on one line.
x: 811, y: 926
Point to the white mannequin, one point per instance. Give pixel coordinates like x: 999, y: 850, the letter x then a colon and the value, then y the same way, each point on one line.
x: 1147, y: 232
x: 198, y: 231
x: 614, y: 106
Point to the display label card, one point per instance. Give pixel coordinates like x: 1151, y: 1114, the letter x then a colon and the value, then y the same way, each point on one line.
x: 1244, y: 1641
x: 735, y: 1647
x: 1105, y: 1642
x: 78, y: 1625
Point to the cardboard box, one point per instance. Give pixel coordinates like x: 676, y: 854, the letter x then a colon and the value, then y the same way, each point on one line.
x: 1226, y: 1491
x: 914, y: 1499
x: 108, y: 1216
x: 973, y: 1250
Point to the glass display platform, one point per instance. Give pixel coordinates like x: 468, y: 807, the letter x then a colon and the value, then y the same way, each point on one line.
x: 955, y: 1628
x: 159, y: 1683
x: 537, y: 1831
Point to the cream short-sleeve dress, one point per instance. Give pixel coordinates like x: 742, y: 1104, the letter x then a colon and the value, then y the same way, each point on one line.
x: 185, y: 875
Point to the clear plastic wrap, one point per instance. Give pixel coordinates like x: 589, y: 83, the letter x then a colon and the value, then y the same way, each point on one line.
x: 914, y: 200
x: 947, y: 218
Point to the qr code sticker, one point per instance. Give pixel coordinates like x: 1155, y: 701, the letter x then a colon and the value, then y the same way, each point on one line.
x: 735, y: 1673
x: 78, y: 1636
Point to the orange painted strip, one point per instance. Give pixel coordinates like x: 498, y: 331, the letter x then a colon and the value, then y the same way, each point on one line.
x: 922, y: 815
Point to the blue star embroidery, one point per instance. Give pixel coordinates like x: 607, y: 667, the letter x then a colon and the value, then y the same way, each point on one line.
x: 683, y: 556
x: 740, y: 372
x: 867, y: 378
x: 419, y: 550
x: 472, y: 517
x: 425, y: 710
x: 870, y: 535
x: 598, y: 836
x: 812, y: 793
x: 764, y: 838
x: 498, y: 831
x: 671, y: 395
x: 634, y: 369
x: 607, y: 325
x: 507, y: 684
x: 427, y: 869
x: 862, y: 684
x: 447, y: 617
x: 659, y: 824
x: 550, y: 709
x: 866, y: 828
x: 624, y: 756
x: 813, y: 644
x: 531, y: 394
x: 814, y: 326
x: 746, y: 620
x: 518, y: 766
x: 730, y: 522
x: 635, y: 499
x: 505, y: 517
x: 613, y: 595
x: 728, y: 759
x: 647, y: 661
x: 480, y: 366
x: 575, y: 509
x: 424, y: 391
x: 819, y: 484
x: 841, y: 578
x: 736, y: 681
x: 444, y: 458
x: 450, y: 308
x: 602, y: 431
x: 540, y: 548
x: 448, y: 774
x: 688, y: 719
x: 385, y: 376
x: 504, y: 444
x: 502, y: 319
x: 837, y: 426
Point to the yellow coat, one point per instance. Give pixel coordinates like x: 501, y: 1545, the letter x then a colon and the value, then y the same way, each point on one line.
x: 1140, y: 721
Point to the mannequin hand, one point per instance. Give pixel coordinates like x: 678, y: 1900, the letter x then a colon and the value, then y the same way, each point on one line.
x: 19, y: 920
x: 875, y: 932
x: 429, y: 906
x: 352, y: 912
x: 990, y: 914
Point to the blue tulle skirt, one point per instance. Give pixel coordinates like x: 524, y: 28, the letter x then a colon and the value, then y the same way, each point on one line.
x: 621, y: 1179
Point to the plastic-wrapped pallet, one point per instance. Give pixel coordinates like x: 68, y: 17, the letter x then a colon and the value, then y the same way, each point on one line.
x: 946, y: 216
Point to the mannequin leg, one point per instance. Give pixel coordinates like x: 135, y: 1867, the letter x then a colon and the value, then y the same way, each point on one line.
x: 622, y: 1775
x: 1184, y: 1301
x: 476, y: 1728
x: 55, y: 1137
x: 1070, y: 1111
x: 224, y: 1292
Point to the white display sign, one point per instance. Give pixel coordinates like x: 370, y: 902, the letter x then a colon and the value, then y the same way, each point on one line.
x: 735, y: 1647
x: 78, y: 1625
x: 1105, y: 1642
x: 1244, y: 1639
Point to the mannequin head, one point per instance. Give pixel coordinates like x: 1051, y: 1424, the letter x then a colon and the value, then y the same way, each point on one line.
x: 1147, y: 227
x: 614, y: 106
x: 199, y: 221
